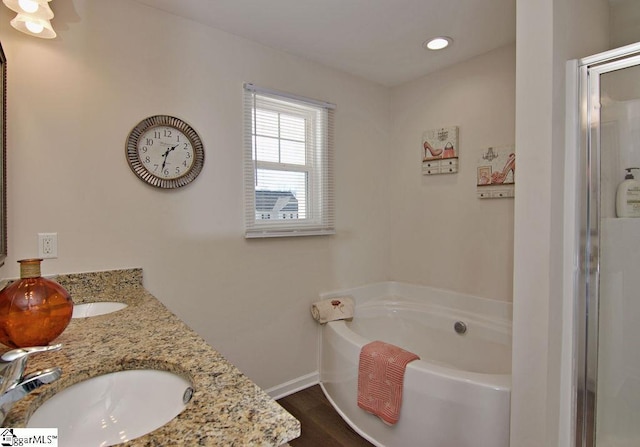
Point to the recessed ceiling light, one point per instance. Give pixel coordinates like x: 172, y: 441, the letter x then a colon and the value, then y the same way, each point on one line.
x: 437, y: 43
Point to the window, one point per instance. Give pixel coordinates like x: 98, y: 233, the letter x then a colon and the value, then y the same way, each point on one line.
x: 287, y: 157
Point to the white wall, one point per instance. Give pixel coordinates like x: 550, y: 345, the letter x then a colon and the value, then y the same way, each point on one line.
x: 442, y: 235
x: 549, y: 32
x: 625, y: 22
x: 71, y: 104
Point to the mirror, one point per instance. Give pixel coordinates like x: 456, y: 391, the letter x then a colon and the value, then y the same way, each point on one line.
x: 3, y: 157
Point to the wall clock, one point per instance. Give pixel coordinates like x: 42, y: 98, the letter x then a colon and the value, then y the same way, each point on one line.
x: 165, y: 152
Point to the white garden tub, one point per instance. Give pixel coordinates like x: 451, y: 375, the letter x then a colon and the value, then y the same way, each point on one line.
x: 456, y: 395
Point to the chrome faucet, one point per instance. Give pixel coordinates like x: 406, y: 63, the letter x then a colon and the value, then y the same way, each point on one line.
x: 14, y: 385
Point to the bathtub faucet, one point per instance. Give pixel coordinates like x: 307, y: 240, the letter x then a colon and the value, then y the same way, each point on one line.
x: 14, y: 385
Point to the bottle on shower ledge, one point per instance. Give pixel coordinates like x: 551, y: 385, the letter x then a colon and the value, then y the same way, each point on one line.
x: 628, y: 196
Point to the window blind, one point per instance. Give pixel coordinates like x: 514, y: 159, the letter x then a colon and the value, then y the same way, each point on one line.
x: 288, y: 164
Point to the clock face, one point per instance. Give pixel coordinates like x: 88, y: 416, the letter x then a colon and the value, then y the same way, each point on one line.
x: 165, y: 152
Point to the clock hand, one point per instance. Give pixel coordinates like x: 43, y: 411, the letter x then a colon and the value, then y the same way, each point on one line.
x: 166, y: 154
x: 164, y: 162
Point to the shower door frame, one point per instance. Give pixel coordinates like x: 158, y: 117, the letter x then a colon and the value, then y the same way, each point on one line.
x: 585, y: 278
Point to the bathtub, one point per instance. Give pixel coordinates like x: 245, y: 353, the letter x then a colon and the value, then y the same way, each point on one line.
x: 456, y: 395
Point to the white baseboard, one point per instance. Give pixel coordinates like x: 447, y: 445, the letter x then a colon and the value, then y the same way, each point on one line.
x: 295, y: 385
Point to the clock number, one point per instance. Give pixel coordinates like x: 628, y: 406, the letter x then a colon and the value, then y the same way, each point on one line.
x: 147, y: 160
x: 144, y: 149
x: 156, y: 134
x: 186, y: 146
x: 177, y: 170
x: 149, y: 142
x: 167, y: 133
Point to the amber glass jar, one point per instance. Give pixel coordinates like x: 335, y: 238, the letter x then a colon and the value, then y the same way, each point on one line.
x: 34, y: 310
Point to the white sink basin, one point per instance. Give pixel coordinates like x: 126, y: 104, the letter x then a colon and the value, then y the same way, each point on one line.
x: 113, y: 408
x: 85, y: 310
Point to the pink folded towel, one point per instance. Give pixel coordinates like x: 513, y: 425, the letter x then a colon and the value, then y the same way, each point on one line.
x: 381, y: 378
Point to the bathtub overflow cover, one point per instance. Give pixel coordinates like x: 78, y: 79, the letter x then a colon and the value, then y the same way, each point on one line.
x: 188, y: 394
x: 460, y: 327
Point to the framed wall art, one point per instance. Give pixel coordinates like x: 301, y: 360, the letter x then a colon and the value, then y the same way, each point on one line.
x: 440, y: 151
x: 3, y: 156
x: 496, y: 173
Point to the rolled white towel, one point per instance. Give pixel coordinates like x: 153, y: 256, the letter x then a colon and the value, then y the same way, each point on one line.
x: 337, y: 308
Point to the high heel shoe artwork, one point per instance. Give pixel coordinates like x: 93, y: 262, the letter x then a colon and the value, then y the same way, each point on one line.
x: 496, y: 173
x: 439, y: 148
x: 432, y: 153
x: 501, y: 176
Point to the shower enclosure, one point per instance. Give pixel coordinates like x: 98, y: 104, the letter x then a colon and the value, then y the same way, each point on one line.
x: 607, y: 252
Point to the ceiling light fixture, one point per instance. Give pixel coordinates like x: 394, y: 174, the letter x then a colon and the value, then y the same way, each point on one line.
x: 437, y: 43
x: 33, y: 17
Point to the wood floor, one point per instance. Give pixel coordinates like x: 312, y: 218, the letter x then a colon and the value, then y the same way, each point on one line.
x: 321, y: 425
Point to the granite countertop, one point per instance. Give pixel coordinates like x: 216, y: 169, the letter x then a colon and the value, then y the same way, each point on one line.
x: 227, y: 409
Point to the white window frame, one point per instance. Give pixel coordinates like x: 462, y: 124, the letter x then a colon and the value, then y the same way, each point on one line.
x: 318, y: 166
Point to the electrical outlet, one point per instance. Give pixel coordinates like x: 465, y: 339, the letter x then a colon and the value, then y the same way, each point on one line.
x: 48, y: 245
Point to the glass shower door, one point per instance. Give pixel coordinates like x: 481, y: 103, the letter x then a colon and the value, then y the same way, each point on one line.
x: 615, y: 92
